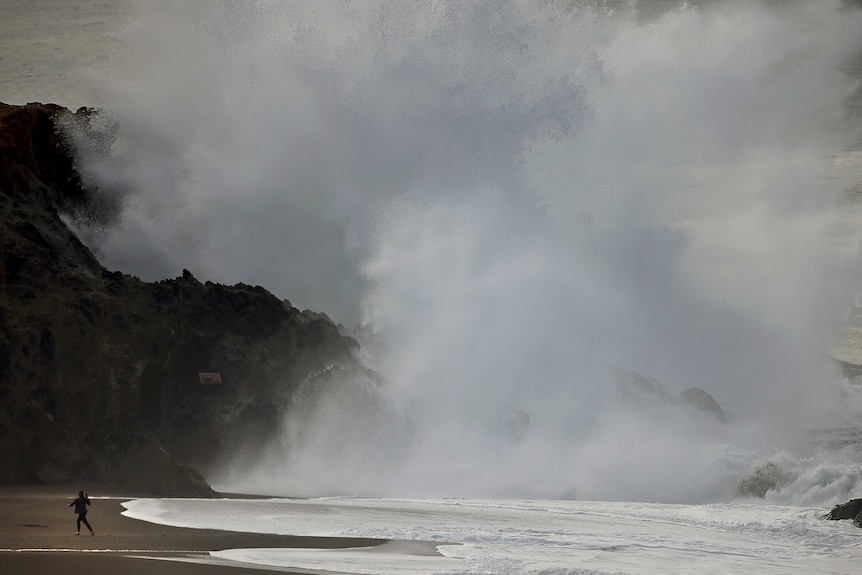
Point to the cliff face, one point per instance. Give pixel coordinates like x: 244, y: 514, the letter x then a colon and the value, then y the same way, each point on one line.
x: 108, y: 379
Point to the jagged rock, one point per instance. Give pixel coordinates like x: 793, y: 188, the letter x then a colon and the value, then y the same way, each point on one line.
x: 642, y: 391
x: 768, y: 477
x: 703, y: 401
x: 108, y: 379
x: 310, y: 315
x: 851, y: 371
x: 120, y: 465
x: 850, y: 510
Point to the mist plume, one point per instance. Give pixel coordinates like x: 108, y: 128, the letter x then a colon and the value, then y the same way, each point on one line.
x: 516, y: 198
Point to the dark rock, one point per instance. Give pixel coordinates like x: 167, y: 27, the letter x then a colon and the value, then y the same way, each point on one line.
x: 120, y: 465
x: 643, y: 392
x: 100, y: 372
x: 768, y: 477
x: 316, y: 316
x: 703, y: 401
x: 850, y: 510
x: 850, y: 370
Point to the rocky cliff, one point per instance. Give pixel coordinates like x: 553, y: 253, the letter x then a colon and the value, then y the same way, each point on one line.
x: 108, y: 379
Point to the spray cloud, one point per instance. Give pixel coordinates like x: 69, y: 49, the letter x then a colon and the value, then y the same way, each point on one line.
x: 517, y: 198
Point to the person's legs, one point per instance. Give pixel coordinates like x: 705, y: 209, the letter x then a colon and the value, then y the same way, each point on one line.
x: 78, y: 525
x: 87, y: 523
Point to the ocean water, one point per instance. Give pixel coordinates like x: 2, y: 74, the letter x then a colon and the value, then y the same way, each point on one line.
x: 48, y: 46
x: 527, y: 536
x: 508, y: 204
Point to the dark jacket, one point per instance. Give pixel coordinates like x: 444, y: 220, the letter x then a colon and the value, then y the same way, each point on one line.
x: 81, y: 505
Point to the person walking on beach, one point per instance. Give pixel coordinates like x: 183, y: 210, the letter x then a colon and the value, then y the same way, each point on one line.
x: 81, y: 509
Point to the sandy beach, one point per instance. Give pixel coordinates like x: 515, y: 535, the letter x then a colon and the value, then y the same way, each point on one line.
x: 38, y: 537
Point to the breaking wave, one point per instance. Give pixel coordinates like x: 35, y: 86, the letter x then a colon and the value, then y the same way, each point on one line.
x: 507, y: 202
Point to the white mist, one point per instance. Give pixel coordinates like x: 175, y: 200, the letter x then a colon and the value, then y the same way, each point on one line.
x: 516, y: 198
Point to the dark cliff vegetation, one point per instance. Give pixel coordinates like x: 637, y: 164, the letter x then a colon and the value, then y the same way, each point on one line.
x: 103, y: 377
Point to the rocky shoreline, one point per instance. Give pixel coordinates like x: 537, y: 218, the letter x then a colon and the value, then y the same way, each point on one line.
x: 107, y: 379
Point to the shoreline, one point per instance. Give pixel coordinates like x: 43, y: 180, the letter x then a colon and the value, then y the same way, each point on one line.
x: 38, y: 537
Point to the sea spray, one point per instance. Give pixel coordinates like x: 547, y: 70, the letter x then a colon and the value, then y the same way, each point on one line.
x: 516, y: 199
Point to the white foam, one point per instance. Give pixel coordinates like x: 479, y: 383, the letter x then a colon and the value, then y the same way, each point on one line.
x: 530, y: 536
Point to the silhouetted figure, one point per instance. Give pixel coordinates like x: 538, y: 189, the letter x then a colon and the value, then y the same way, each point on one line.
x: 80, y: 505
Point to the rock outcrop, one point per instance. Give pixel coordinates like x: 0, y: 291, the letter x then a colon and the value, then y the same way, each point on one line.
x: 108, y: 379
x: 699, y: 399
x: 850, y: 510
x: 646, y: 392
x: 768, y: 477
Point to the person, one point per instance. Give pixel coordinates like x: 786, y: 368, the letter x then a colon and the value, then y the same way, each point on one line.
x: 80, y: 505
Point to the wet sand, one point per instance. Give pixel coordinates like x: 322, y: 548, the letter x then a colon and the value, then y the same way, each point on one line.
x: 37, y: 537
